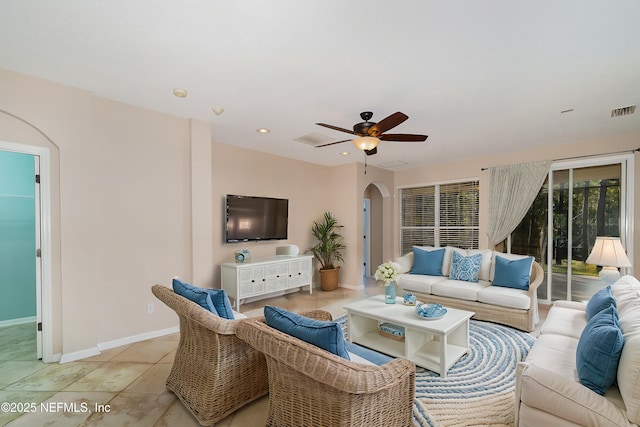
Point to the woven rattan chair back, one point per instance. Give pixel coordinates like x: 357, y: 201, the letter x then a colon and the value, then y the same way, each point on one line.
x: 309, y: 386
x: 214, y: 372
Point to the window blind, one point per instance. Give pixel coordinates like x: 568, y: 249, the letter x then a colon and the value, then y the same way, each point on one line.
x: 440, y: 215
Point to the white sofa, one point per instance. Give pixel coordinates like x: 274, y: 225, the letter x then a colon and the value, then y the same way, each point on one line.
x: 548, y: 387
x: 513, y: 307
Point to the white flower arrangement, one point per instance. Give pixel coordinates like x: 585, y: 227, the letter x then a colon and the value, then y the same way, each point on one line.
x: 388, y: 272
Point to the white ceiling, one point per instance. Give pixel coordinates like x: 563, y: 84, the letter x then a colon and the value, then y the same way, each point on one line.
x: 478, y: 77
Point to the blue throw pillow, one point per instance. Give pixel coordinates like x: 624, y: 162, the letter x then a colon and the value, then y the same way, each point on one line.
x: 513, y: 273
x: 465, y: 268
x: 599, y: 301
x: 427, y: 262
x: 192, y: 293
x: 221, y: 302
x: 598, y: 351
x: 368, y: 354
x: 323, y: 334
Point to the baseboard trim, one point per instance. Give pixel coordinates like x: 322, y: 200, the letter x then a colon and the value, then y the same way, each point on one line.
x: 97, y: 350
x: 20, y: 321
x: 137, y: 338
x: 77, y: 355
x: 354, y: 287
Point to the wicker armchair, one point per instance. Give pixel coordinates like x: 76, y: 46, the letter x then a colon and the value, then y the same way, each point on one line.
x: 309, y: 386
x: 214, y: 372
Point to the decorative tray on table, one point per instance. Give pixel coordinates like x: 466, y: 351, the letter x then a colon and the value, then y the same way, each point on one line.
x: 430, y: 311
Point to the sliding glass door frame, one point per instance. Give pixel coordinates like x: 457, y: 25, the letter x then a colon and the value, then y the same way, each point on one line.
x: 626, y: 162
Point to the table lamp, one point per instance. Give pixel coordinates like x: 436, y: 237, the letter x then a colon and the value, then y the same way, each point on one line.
x: 609, y: 253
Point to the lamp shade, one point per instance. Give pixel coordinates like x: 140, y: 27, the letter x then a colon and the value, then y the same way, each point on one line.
x: 608, y: 252
x: 366, y: 142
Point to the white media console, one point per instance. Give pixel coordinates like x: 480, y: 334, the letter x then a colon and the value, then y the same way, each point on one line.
x: 263, y: 277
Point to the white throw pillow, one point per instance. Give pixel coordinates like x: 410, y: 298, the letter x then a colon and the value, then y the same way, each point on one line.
x: 406, y: 262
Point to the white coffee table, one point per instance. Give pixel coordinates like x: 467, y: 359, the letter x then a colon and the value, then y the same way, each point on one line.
x: 433, y: 344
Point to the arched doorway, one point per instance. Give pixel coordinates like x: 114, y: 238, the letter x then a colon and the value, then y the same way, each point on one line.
x: 38, y: 147
x: 373, y: 229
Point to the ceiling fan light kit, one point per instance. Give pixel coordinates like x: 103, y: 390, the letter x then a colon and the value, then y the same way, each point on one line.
x: 366, y: 143
x: 369, y: 134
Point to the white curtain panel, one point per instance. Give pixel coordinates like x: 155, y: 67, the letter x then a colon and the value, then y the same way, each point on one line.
x: 512, y: 190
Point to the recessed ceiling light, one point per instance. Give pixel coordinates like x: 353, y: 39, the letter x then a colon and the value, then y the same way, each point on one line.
x: 217, y: 110
x: 263, y: 130
x: 345, y: 153
x: 180, y: 93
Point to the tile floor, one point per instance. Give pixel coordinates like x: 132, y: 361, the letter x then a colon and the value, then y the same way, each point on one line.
x: 123, y: 386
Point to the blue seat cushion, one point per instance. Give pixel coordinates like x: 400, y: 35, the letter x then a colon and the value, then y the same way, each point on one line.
x: 427, y: 262
x: 599, y: 301
x: 513, y: 273
x: 598, y: 351
x: 323, y: 334
x: 368, y: 354
x: 192, y: 293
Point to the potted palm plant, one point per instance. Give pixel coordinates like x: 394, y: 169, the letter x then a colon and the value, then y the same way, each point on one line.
x: 328, y: 250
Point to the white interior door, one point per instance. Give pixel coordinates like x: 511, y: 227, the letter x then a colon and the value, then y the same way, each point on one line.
x: 44, y: 346
x: 38, y: 266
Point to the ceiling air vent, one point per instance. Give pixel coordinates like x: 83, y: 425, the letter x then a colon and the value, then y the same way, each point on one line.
x: 314, y: 139
x: 394, y: 164
x: 624, y: 111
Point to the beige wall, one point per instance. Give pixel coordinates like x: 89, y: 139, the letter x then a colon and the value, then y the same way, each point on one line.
x: 141, y: 217
x: 250, y: 173
x: 121, y: 213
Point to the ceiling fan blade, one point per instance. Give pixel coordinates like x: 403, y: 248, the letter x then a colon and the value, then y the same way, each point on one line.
x: 387, y: 123
x: 336, y: 128
x: 403, y: 137
x: 332, y: 143
x: 371, y: 152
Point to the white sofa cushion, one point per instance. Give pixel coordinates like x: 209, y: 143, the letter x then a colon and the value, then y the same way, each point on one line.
x: 565, y: 321
x: 485, y: 266
x: 418, y: 282
x: 629, y: 376
x: 568, y: 399
x: 556, y: 353
x: 626, y: 291
x: 406, y: 262
x: 505, y: 297
x: 459, y: 289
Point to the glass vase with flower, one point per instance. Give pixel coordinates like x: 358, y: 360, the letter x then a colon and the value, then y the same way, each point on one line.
x: 388, y: 272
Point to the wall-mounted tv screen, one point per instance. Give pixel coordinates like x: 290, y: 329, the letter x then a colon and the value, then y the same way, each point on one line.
x: 256, y: 218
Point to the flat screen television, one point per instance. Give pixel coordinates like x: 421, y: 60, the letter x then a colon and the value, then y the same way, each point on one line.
x: 251, y: 218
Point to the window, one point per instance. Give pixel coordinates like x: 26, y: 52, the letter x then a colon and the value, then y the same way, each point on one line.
x: 439, y: 215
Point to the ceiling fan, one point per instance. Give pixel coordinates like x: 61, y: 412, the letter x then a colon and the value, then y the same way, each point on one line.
x: 369, y: 134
